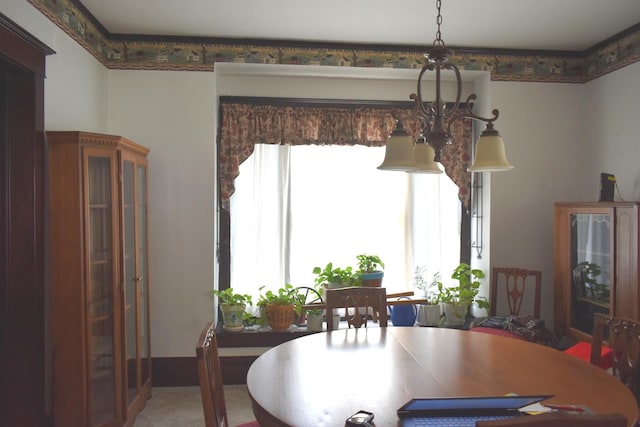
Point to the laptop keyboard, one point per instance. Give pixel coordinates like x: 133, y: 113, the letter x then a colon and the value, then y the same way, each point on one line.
x: 454, y: 421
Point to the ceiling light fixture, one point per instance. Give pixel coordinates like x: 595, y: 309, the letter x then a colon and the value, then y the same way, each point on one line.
x: 403, y: 154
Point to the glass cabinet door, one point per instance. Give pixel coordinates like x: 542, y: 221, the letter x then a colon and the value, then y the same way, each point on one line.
x: 130, y: 281
x: 591, y: 264
x: 135, y: 275
x: 103, y: 381
x: 143, y: 284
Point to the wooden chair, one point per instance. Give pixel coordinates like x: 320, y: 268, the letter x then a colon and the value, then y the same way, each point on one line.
x: 210, y: 376
x: 559, y: 419
x: 356, y: 302
x: 514, y: 283
x: 511, y: 286
x: 622, y: 337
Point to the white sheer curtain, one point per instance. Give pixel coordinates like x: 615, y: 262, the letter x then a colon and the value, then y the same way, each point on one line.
x: 298, y: 207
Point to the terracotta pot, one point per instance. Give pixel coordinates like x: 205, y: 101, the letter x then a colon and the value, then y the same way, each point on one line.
x: 372, y: 280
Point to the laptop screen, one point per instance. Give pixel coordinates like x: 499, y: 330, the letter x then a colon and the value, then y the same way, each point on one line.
x: 457, y: 405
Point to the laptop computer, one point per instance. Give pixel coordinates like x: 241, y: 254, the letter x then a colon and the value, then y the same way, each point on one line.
x: 463, y: 411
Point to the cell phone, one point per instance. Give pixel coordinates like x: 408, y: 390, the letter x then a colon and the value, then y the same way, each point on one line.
x: 360, y: 418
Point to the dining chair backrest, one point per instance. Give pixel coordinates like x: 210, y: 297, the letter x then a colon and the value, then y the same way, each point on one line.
x: 622, y: 336
x: 513, y: 286
x: 209, y: 374
x: 559, y: 419
x: 356, y: 302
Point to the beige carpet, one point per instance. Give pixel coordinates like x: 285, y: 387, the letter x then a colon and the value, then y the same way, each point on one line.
x: 182, y: 407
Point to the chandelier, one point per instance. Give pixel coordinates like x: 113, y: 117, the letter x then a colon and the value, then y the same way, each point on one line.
x: 420, y: 156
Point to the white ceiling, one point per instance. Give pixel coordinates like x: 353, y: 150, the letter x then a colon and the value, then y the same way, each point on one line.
x: 516, y: 24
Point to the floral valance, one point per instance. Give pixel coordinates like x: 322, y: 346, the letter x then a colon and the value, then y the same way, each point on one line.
x: 246, y: 124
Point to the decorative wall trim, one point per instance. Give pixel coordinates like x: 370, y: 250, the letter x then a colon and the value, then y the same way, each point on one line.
x: 138, y: 52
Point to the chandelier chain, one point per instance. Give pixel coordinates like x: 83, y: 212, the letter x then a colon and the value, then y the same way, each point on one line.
x: 438, y: 41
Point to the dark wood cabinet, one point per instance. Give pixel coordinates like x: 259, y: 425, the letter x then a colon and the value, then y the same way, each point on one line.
x: 99, y: 279
x: 596, y: 264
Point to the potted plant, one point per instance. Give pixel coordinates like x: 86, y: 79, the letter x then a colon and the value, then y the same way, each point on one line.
x: 281, y: 307
x: 336, y: 277
x: 233, y: 308
x: 370, y: 270
x: 589, y: 273
x: 457, y: 299
x: 314, y: 319
x: 430, y: 313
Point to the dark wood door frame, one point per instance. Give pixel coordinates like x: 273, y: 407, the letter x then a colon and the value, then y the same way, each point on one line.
x: 24, y: 351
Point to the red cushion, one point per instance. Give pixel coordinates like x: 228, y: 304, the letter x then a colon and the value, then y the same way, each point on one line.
x: 496, y: 331
x: 582, y: 350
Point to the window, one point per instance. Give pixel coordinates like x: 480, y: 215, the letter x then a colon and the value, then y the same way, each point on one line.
x: 297, y: 207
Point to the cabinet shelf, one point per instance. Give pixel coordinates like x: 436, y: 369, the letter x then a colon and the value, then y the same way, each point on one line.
x: 593, y: 301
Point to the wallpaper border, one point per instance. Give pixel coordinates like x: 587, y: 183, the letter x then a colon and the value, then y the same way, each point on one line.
x: 116, y: 51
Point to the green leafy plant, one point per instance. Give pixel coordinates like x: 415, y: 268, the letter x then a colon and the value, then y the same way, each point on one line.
x: 428, y: 287
x: 591, y: 270
x: 345, y: 276
x: 590, y: 273
x: 229, y: 297
x: 369, y: 263
x: 466, y: 291
x: 286, y: 295
x: 314, y: 311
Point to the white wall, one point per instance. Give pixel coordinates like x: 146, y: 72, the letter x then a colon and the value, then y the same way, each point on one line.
x: 558, y: 136
x: 542, y: 126
x: 612, y: 132
x: 171, y: 113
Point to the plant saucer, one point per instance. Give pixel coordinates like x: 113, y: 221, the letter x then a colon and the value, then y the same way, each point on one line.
x: 233, y: 328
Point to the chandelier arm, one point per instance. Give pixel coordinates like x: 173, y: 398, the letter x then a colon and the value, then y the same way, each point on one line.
x: 468, y: 114
x: 419, y: 107
x: 456, y: 104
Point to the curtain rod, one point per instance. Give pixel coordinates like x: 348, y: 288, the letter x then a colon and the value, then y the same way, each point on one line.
x: 320, y: 102
x: 315, y: 102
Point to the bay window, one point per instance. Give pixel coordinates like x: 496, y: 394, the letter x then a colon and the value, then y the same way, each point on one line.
x: 300, y: 188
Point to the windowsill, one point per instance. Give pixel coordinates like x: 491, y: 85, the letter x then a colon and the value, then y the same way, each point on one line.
x: 259, y: 336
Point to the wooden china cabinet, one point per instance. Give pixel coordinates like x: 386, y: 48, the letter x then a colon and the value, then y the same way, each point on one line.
x: 596, y: 264
x: 99, y: 279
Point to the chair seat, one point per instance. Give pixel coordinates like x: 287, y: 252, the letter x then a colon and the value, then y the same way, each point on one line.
x: 582, y: 350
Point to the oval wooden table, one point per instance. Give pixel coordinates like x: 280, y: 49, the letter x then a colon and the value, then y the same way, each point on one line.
x: 321, y: 379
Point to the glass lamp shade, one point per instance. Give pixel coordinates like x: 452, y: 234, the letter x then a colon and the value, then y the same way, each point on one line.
x: 399, y: 153
x: 490, y: 155
x: 423, y: 159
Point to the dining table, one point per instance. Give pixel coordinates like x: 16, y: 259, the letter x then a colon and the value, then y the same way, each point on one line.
x: 323, y: 378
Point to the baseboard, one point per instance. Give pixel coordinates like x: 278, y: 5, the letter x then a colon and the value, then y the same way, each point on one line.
x: 183, y: 371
